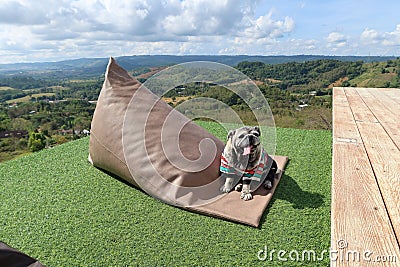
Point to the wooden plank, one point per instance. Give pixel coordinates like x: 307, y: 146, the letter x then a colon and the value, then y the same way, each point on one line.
x: 386, y: 97
x: 382, y: 152
x: 393, y: 93
x: 385, y: 160
x: 345, y: 130
x: 383, y: 111
x: 359, y: 215
x: 359, y: 109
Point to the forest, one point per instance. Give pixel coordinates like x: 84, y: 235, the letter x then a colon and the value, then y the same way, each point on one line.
x: 39, y: 112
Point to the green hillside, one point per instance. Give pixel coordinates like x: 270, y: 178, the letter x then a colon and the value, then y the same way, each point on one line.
x: 298, y: 92
x: 85, y: 68
x: 378, y: 75
x: 58, y: 208
x: 320, y: 75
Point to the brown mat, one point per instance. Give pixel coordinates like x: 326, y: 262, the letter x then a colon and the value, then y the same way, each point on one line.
x: 131, y: 136
x: 231, y: 207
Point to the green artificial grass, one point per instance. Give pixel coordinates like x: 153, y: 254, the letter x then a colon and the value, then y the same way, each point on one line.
x: 59, y: 209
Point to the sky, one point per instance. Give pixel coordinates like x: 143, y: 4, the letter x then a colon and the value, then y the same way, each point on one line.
x: 49, y: 30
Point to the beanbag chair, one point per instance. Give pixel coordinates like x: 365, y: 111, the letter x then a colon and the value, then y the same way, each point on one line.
x: 11, y: 257
x: 141, y: 139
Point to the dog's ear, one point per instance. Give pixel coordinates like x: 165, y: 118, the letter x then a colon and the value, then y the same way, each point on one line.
x: 256, y: 128
x: 230, y: 134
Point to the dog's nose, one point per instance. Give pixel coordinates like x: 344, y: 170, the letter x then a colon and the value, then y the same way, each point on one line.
x: 251, y: 139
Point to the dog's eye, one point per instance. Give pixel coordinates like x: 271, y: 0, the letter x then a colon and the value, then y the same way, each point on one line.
x: 241, y: 136
x: 256, y: 134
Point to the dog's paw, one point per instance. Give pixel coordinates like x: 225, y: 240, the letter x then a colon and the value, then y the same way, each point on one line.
x: 239, y: 187
x: 268, y: 185
x: 277, y: 173
x: 226, y: 188
x: 246, y: 196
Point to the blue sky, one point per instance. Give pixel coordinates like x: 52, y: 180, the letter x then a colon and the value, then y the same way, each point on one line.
x: 50, y: 30
x: 316, y: 18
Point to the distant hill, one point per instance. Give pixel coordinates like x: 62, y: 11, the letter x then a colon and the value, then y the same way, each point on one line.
x: 322, y: 74
x: 94, y: 67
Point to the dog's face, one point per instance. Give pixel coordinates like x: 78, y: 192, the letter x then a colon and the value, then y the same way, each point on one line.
x: 245, y: 144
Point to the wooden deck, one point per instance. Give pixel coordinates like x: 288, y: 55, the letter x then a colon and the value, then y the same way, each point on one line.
x: 366, y: 177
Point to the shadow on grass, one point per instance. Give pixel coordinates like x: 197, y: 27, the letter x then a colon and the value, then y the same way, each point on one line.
x: 290, y: 191
x: 116, y: 177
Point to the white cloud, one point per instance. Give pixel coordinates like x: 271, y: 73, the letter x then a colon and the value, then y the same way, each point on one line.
x: 21, y: 13
x: 83, y: 27
x: 372, y: 36
x: 385, y: 38
x: 206, y: 17
x: 266, y: 27
x: 336, y: 40
x: 336, y: 37
x: 55, y: 30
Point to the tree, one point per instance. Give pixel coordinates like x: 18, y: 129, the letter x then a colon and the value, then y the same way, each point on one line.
x: 21, y: 124
x: 37, y: 141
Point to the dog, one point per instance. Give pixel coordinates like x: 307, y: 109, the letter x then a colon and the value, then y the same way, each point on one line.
x: 244, y: 159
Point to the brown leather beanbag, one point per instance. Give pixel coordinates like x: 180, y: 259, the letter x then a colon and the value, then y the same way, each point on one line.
x: 138, y: 137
